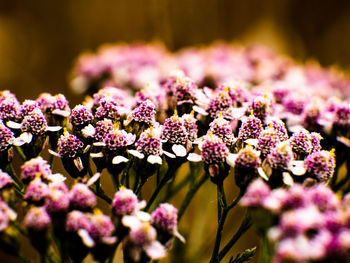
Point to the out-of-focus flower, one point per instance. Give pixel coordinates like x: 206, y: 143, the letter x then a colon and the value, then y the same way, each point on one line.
x: 320, y: 165
x: 125, y: 202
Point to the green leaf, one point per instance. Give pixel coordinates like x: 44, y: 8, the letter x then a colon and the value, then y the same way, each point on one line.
x: 245, y: 256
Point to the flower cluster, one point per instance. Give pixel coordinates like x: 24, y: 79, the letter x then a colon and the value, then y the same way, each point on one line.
x: 309, y: 225
x: 277, y: 127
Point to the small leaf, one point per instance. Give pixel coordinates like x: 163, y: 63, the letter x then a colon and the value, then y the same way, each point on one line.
x: 245, y: 256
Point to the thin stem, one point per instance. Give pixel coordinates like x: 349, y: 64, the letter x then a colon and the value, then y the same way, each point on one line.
x: 245, y: 225
x: 189, y: 196
x: 102, y: 195
x: 139, y: 187
x: 222, y: 214
x: 177, y: 188
x: 224, y: 209
x: 20, y: 153
x: 162, y: 182
x: 125, y: 173
x: 17, y: 182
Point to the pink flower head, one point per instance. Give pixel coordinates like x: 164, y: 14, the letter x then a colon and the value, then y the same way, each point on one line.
x: 223, y: 129
x: 251, y: 128
x: 37, y: 219
x: 149, y: 143
x: 164, y: 218
x: 81, y: 197
x: 320, y: 165
x: 5, y: 180
x: 174, y: 131
x: 108, y: 109
x: 191, y: 126
x: 6, y: 137
x: 125, y: 202
x: 69, y: 146
x: 267, y: 140
x: 213, y: 150
x: 256, y: 193
x: 145, y: 112
x: 220, y: 103
x: 31, y: 168
x: 35, y: 122
x: 81, y: 116
x: 37, y: 191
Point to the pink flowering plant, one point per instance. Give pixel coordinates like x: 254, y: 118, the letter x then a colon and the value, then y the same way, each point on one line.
x: 281, y: 130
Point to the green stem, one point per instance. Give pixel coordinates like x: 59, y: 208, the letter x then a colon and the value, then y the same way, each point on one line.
x: 100, y: 193
x: 159, y: 187
x: 177, y: 188
x: 20, y: 153
x: 17, y: 182
x: 245, y: 225
x: 265, y: 255
x: 224, y: 209
x: 125, y: 173
x: 222, y: 214
x: 189, y: 196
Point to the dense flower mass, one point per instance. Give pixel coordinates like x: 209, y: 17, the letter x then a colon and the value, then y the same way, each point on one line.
x: 155, y: 126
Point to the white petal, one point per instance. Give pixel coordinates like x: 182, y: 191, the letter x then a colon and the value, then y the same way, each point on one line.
x: 131, y: 138
x: 237, y: 113
x: 96, y: 155
x: 93, y: 179
x: 53, y: 128
x: 56, y: 178
x: 27, y: 137
x: 141, y: 205
x: 143, y: 216
x: 54, y: 153
x: 179, y: 150
x: 170, y: 155
x: 63, y: 113
x: 253, y: 142
x: 11, y: 214
x: 87, y: 148
x: 155, y: 250
x: 231, y: 159
x: 154, y: 159
x: 127, y: 121
x: 295, y: 128
x: 136, y: 154
x: 287, y: 179
x: 13, y: 125
x: 85, y: 237
x: 179, y: 236
x: 262, y: 174
x: 99, y: 144
x: 344, y: 140
x: 200, y: 110
x: 88, y: 131
x: 194, y: 157
x: 131, y: 221
x: 109, y: 240
x: 18, y: 142
x: 79, y: 164
x: 119, y: 159
x: 297, y: 167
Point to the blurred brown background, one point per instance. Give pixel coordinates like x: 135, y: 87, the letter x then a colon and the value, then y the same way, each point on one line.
x: 40, y: 39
